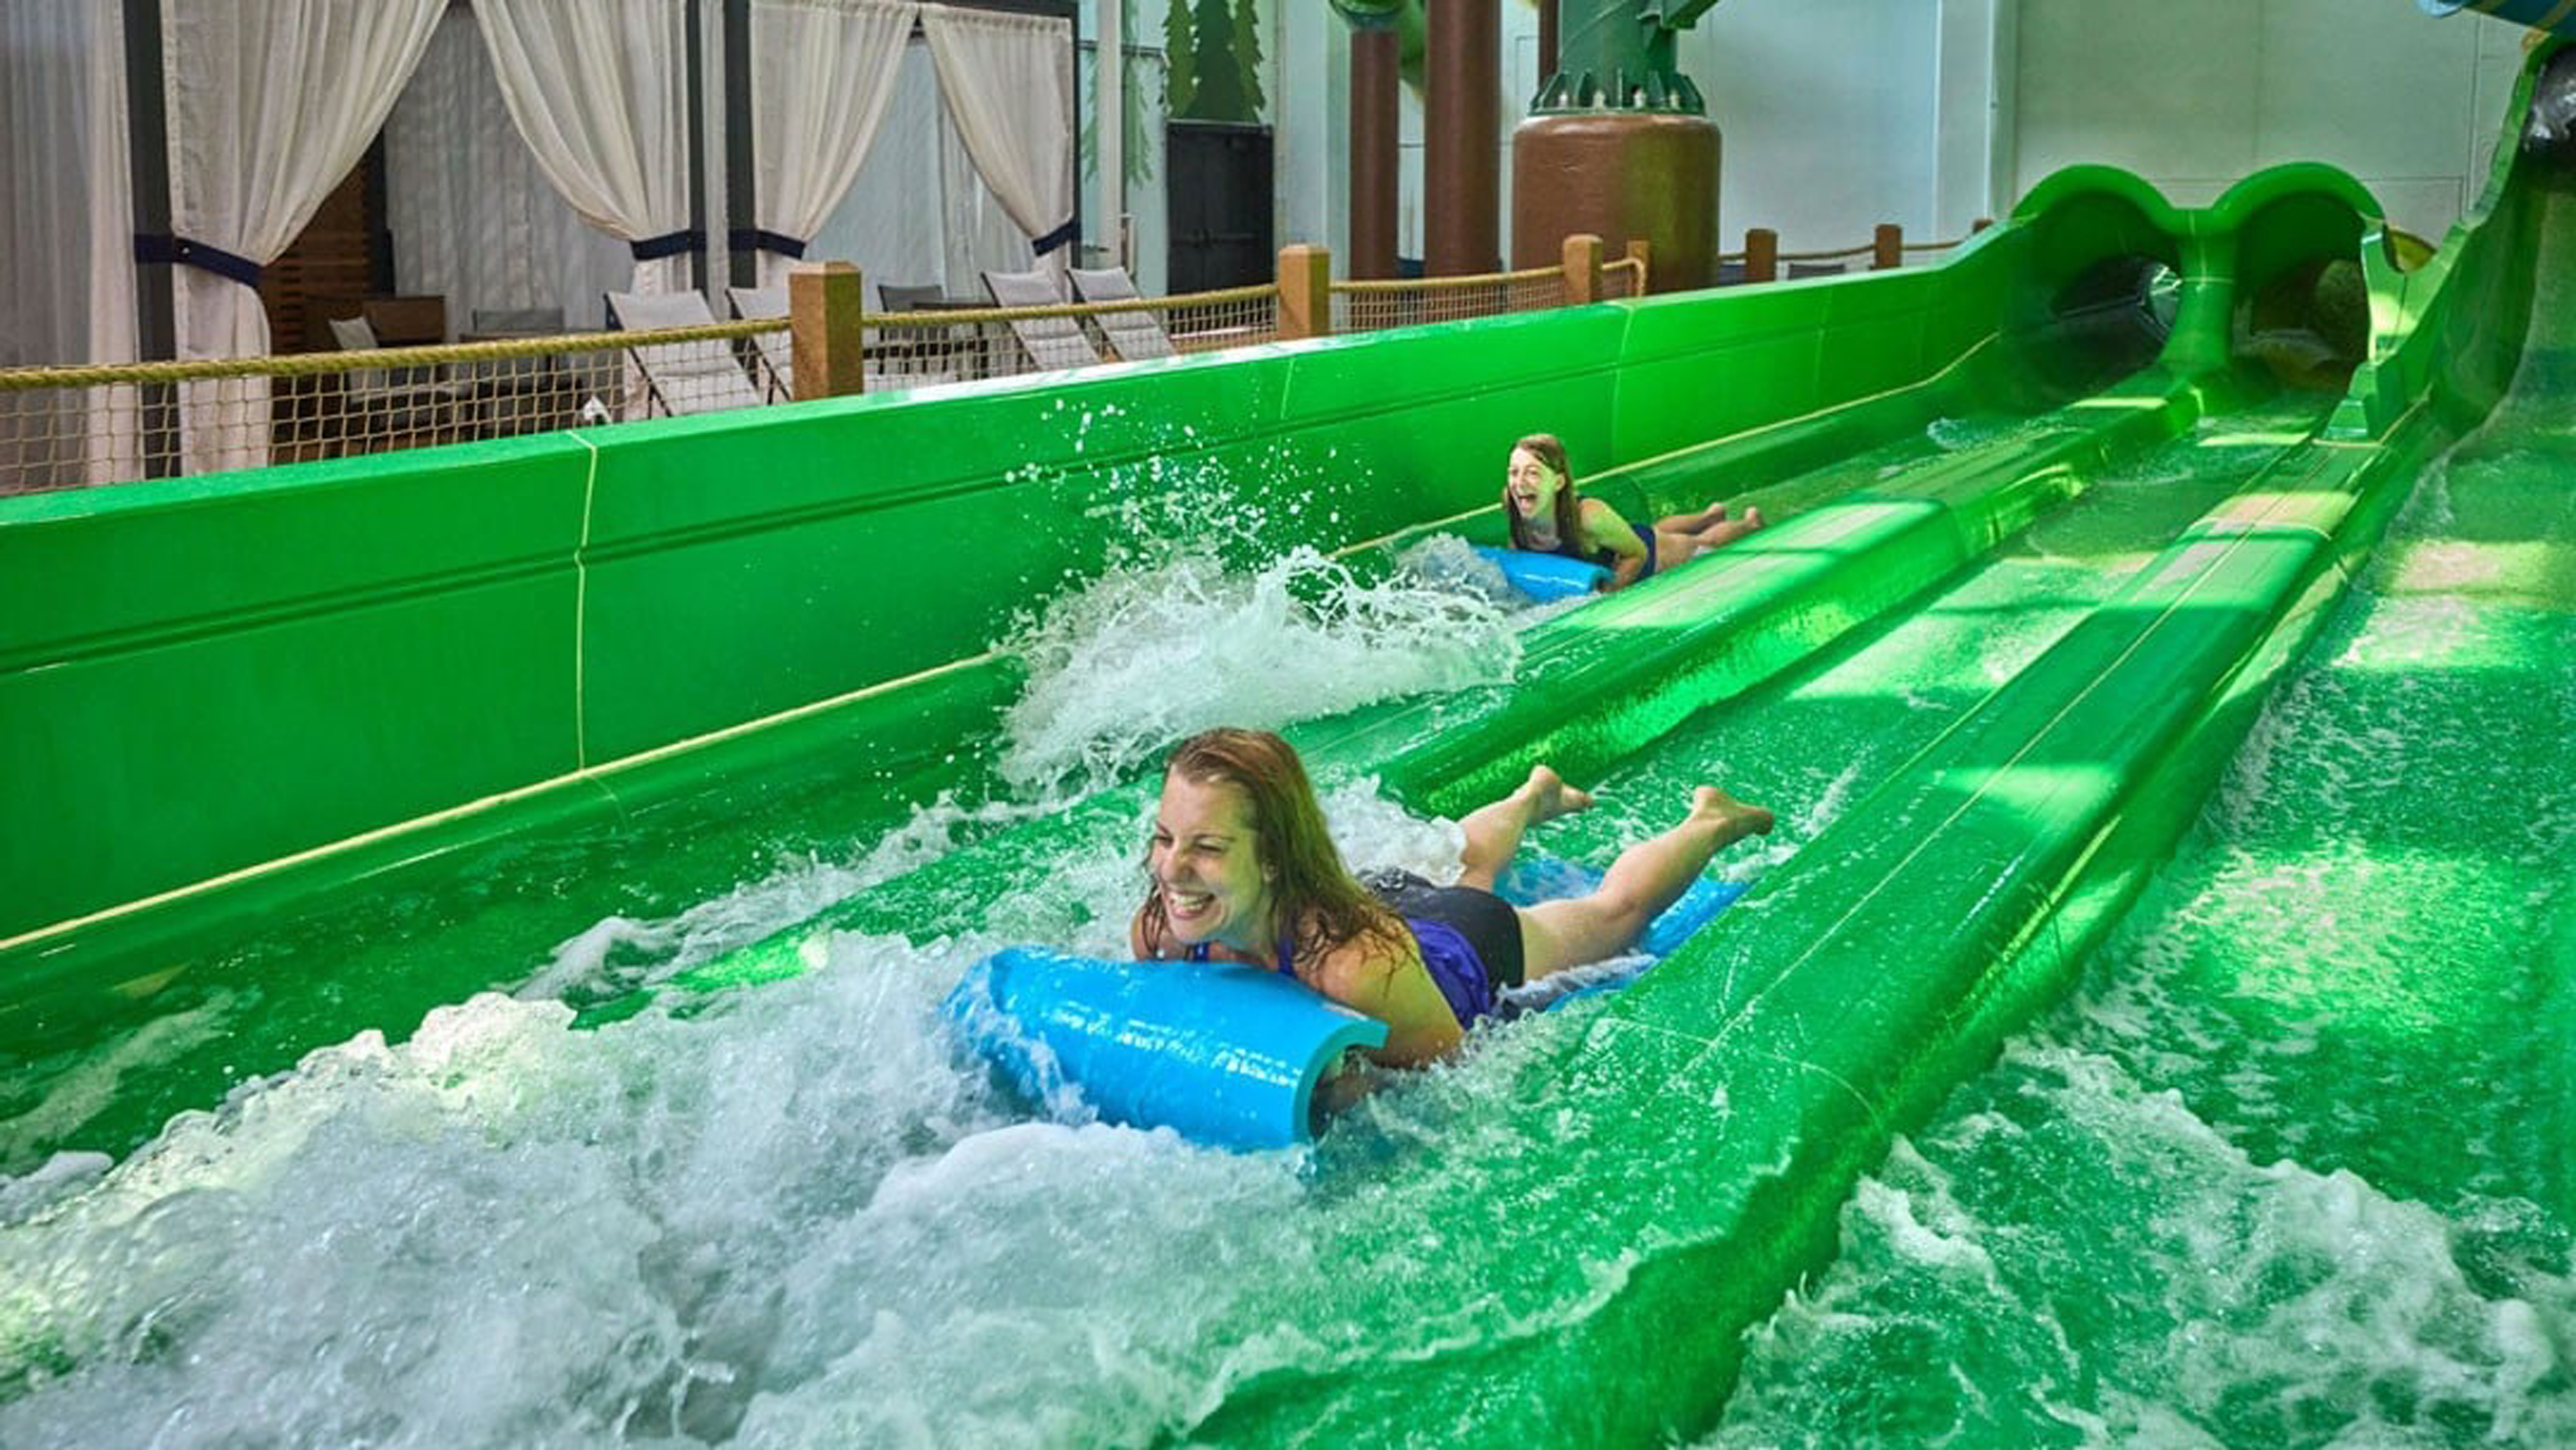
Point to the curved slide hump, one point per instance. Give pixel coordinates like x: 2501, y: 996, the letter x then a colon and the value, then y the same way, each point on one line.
x: 2050, y: 520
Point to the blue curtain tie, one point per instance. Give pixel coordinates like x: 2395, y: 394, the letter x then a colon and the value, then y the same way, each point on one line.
x: 761, y: 239
x: 1061, y: 236
x: 669, y: 244
x: 186, y: 251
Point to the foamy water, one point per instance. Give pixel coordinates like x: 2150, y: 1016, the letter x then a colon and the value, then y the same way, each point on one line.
x: 797, y: 1216
x: 1153, y: 652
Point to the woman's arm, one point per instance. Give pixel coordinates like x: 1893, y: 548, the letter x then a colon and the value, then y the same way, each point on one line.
x: 1603, y: 528
x: 1389, y: 983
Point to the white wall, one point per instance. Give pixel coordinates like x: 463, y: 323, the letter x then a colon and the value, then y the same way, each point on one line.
x: 1826, y: 111
x: 2194, y: 94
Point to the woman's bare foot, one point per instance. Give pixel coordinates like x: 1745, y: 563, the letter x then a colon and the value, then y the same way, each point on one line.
x: 1734, y: 818
x: 1545, y: 795
x: 1493, y: 830
x: 1752, y: 519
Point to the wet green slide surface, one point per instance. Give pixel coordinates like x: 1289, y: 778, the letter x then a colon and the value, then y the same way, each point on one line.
x: 2147, y: 1022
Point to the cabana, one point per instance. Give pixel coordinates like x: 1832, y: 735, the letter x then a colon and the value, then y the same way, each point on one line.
x: 531, y: 154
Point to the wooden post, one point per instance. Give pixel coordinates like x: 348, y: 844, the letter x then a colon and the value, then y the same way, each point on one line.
x: 1305, y: 291
x: 1887, y: 248
x: 823, y: 304
x: 1642, y: 252
x: 1582, y: 269
x: 1761, y: 255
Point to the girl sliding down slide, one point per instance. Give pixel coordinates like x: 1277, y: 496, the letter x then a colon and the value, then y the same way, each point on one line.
x: 1243, y: 870
x: 1549, y: 516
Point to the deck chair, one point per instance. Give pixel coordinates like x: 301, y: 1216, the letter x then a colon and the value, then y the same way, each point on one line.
x: 1132, y: 335
x: 681, y: 377
x: 775, y: 359
x: 900, y: 297
x: 394, y: 401
x: 1050, y: 342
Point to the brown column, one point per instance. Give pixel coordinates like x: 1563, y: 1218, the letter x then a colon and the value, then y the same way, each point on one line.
x: 1546, y: 40
x: 1374, y: 148
x: 1462, y: 169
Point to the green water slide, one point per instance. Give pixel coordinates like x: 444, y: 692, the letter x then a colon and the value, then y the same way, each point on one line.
x: 311, y: 751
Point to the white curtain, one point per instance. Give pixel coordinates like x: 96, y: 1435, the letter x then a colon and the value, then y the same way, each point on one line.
x: 1008, y: 82
x: 918, y: 214
x: 66, y: 240
x: 270, y: 103
x: 822, y: 72
x: 599, y: 88
x: 473, y: 218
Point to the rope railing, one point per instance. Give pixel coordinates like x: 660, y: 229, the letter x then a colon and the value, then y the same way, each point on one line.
x: 73, y: 425
x: 1761, y: 257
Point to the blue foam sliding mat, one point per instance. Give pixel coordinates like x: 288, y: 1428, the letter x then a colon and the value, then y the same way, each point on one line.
x: 1546, y: 578
x: 1221, y: 1053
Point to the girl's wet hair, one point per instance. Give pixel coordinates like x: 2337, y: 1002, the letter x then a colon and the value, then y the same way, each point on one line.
x: 1311, y: 889
x: 1549, y: 449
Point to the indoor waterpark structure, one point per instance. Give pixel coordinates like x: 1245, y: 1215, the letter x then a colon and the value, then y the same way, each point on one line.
x: 574, y: 796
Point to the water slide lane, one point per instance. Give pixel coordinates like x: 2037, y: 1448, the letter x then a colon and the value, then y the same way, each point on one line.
x: 2291, y: 1167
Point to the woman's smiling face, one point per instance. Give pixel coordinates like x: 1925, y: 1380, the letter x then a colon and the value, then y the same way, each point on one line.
x: 1532, y: 484
x: 1206, y: 866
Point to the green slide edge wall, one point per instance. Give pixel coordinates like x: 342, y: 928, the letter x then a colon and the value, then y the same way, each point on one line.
x: 209, y: 681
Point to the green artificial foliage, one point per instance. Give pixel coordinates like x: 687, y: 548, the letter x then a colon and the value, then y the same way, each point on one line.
x: 1180, y: 59
x: 1247, y: 57
x: 1218, y: 93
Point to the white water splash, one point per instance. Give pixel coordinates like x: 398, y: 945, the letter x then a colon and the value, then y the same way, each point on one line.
x: 1151, y: 653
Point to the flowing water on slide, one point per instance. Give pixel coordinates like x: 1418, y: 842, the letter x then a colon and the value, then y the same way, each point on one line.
x: 795, y: 1218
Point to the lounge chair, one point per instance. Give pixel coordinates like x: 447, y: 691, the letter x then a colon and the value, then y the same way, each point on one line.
x: 681, y: 377
x: 1050, y: 342
x: 775, y: 357
x: 1132, y: 335
x: 381, y: 403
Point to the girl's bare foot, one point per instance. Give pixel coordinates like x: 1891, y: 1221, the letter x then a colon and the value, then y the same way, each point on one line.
x: 1546, y: 795
x: 1752, y: 519
x: 1734, y: 817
